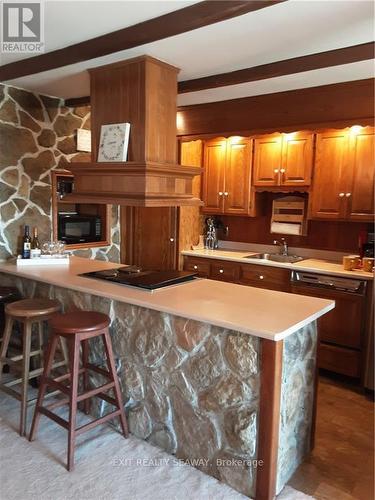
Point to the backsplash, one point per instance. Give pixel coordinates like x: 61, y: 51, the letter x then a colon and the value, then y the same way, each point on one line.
x: 37, y: 136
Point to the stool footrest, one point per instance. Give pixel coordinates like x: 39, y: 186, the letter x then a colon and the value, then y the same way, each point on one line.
x: 98, y: 421
x: 44, y: 411
x: 95, y: 391
x: 56, y: 385
x: 96, y: 369
x: 10, y: 392
x: 107, y: 398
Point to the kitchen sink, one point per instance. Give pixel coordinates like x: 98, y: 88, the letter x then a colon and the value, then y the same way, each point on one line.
x: 276, y: 257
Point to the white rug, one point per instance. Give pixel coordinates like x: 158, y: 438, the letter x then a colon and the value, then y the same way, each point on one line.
x: 108, y: 467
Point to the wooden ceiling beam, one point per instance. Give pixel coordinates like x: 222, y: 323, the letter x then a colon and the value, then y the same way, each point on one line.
x: 310, y: 62
x: 174, y: 23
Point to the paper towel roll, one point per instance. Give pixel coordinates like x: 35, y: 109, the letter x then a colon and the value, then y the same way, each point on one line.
x: 285, y: 228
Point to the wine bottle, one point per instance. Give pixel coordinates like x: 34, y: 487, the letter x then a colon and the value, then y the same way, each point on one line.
x: 26, y: 244
x: 35, y: 245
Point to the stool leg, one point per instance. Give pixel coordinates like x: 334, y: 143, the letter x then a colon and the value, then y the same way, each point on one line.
x: 64, y: 351
x: 43, y: 385
x: 74, y: 374
x: 25, y: 375
x: 5, y: 343
x: 86, y: 384
x: 114, y: 377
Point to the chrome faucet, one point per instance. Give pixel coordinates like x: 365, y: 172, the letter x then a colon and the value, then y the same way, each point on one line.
x: 283, y: 244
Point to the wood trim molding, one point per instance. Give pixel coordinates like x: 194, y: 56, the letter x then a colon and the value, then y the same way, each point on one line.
x: 296, y: 109
x: 174, y: 23
x: 309, y: 62
x: 269, y: 418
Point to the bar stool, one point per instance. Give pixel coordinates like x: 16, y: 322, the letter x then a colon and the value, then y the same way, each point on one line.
x: 27, y: 312
x: 77, y: 328
x: 7, y: 294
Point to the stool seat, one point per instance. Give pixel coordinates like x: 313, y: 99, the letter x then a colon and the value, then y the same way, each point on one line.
x: 8, y: 293
x: 79, y: 321
x: 32, y: 308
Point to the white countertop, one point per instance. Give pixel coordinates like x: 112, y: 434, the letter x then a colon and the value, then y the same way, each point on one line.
x: 263, y: 313
x: 314, y: 265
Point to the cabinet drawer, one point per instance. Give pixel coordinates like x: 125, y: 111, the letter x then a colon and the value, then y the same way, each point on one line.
x: 224, y: 271
x: 339, y: 360
x: 200, y: 266
x: 272, y: 278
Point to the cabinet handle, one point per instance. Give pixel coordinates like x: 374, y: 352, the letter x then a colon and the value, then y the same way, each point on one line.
x: 348, y: 195
x: 171, y: 239
x: 282, y: 170
x: 341, y: 195
x: 226, y: 193
x: 276, y: 170
x: 220, y: 193
x: 261, y: 277
x: 195, y: 267
x: 221, y: 271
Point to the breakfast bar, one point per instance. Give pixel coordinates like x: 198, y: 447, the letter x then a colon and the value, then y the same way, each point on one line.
x: 218, y: 374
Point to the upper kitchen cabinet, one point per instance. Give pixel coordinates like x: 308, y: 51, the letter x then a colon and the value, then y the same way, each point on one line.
x: 226, y: 187
x: 283, y: 159
x: 360, y: 202
x: 344, y: 175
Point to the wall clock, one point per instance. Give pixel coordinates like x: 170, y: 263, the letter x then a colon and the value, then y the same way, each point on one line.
x: 114, y: 140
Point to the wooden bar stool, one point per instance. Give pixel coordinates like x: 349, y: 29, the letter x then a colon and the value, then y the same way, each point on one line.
x: 77, y: 328
x: 27, y: 312
x: 7, y: 294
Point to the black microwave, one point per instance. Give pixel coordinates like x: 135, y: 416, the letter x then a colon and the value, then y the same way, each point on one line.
x: 74, y: 228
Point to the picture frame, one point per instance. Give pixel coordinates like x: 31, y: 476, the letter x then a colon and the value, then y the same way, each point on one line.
x: 114, y: 142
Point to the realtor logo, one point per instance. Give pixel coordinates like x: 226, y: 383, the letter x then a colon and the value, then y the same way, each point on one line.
x: 22, y: 27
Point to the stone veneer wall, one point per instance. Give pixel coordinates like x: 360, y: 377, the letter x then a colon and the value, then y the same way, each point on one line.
x: 190, y: 388
x: 297, y: 399
x: 37, y: 136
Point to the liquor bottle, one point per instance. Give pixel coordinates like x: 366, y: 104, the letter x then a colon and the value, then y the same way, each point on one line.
x: 35, y: 245
x: 26, y: 244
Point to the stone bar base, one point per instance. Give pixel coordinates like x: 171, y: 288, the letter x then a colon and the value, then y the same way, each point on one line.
x: 193, y: 389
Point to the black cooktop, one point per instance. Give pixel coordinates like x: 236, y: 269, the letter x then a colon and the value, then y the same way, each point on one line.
x: 135, y: 276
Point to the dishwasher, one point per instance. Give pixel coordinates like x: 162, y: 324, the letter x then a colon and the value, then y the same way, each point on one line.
x: 341, y: 331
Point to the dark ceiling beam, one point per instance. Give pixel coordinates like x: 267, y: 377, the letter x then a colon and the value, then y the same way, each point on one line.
x: 174, y: 23
x: 310, y: 62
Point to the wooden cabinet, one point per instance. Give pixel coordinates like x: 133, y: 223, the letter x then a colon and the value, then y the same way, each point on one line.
x: 226, y: 187
x: 254, y: 275
x: 360, y: 203
x: 344, y: 175
x: 283, y: 159
x: 273, y: 278
x: 149, y: 237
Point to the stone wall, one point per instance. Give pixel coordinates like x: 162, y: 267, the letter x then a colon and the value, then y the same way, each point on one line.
x: 37, y: 136
x: 297, y: 398
x: 190, y: 388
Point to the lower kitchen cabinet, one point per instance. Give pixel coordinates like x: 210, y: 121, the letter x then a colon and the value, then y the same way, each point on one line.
x: 269, y: 277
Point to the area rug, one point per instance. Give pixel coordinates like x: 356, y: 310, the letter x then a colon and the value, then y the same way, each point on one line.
x: 108, y: 467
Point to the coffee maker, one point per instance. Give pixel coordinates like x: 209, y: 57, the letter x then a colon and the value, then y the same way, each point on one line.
x: 367, y: 248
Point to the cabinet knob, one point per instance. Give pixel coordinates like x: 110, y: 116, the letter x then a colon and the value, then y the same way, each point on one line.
x: 220, y: 193
x: 276, y: 170
x: 348, y: 195
x: 226, y: 193
x: 282, y: 170
x: 171, y: 239
x: 221, y: 271
x: 195, y: 267
x: 261, y: 277
x: 342, y: 195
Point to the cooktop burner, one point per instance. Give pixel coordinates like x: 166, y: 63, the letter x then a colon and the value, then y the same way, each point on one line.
x: 137, y: 277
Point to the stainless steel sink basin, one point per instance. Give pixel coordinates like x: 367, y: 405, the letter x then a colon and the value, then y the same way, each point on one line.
x: 276, y: 257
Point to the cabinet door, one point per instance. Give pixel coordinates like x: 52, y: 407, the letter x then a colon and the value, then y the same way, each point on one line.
x: 200, y: 266
x: 267, y: 160
x: 297, y: 159
x: 149, y: 237
x: 224, y: 271
x: 237, y: 176
x: 360, y: 191
x: 327, y: 199
x: 213, y: 176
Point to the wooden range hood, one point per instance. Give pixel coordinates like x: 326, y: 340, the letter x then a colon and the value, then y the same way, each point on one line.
x: 143, y: 92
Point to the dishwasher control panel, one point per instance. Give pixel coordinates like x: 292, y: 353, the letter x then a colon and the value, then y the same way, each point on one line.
x: 330, y: 282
